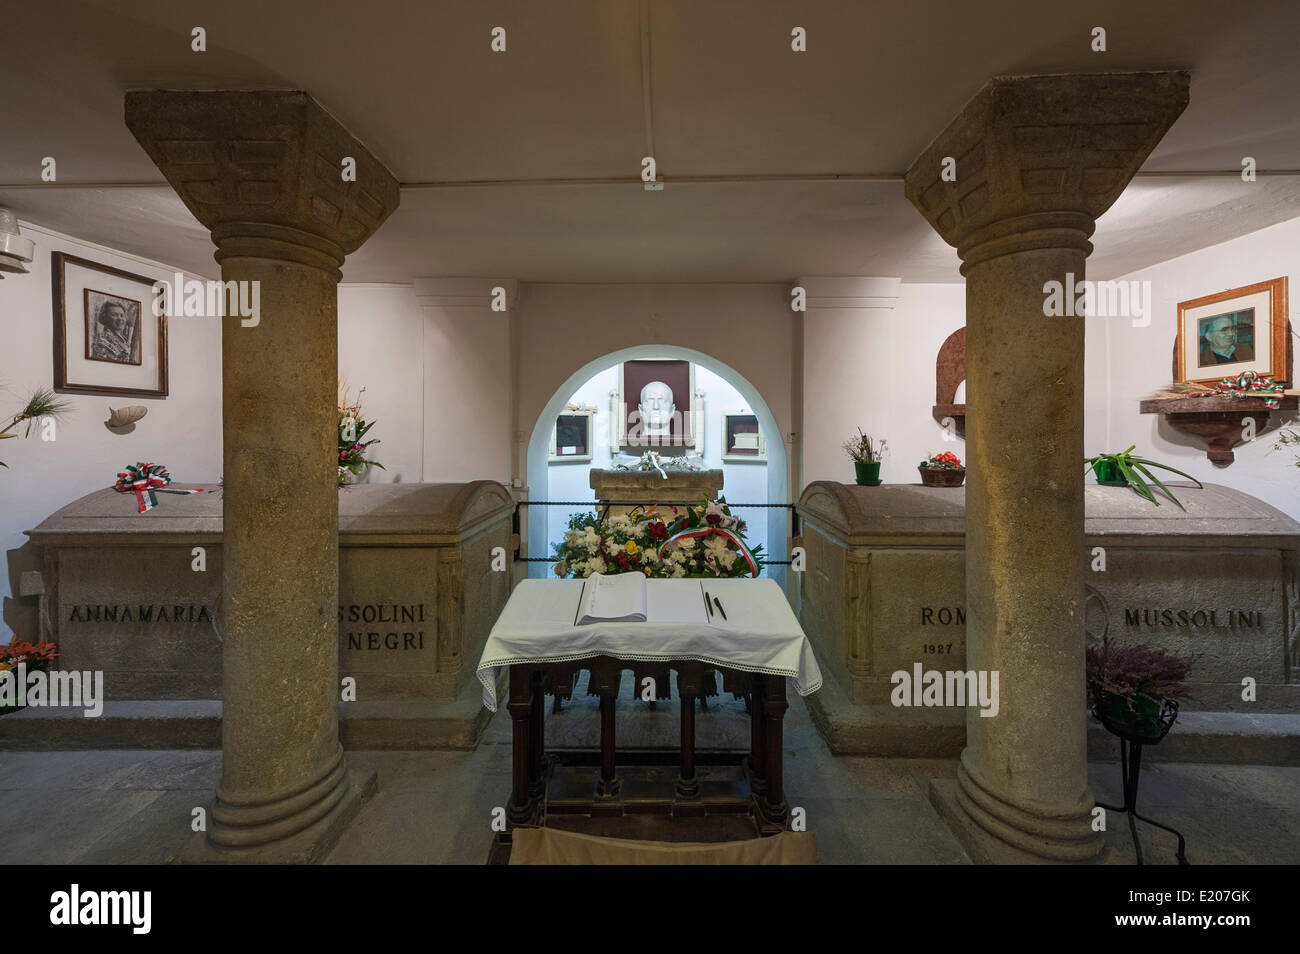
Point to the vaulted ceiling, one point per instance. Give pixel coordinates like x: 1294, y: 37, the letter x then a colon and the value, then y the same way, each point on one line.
x: 525, y: 164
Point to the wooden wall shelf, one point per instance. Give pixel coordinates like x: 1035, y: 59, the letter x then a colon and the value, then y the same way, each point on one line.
x: 1215, y: 420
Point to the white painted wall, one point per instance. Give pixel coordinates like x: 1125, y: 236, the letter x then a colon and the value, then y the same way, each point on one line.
x: 182, y: 432
x: 1134, y: 362
x: 874, y: 368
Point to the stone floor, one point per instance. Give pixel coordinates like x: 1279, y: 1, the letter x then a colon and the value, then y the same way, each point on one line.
x: 117, y: 806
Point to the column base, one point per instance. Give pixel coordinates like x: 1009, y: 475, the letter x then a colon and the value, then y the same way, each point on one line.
x: 306, y: 847
x: 985, y: 848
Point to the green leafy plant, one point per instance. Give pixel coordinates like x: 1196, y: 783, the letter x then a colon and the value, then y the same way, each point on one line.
x: 863, y: 449
x: 44, y: 402
x: 1133, y: 469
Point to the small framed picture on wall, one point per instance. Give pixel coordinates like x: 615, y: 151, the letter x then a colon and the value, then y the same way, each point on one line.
x: 1241, y: 329
x: 742, y: 438
x: 574, y: 431
x: 107, y: 339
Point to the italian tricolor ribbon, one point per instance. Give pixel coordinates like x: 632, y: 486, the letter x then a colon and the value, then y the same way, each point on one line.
x: 145, y: 479
x: 709, y: 531
x: 1250, y: 384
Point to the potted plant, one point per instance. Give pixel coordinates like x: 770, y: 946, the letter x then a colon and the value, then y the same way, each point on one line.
x: 942, y: 470
x: 1125, y: 470
x: 1134, y: 690
x: 865, y: 454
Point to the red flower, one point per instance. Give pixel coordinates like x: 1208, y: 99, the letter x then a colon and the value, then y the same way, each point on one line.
x: 658, y: 529
x: 622, y: 561
x: 713, y: 519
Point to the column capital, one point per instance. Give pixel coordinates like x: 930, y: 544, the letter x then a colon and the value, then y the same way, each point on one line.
x: 263, y: 170
x: 1039, y: 158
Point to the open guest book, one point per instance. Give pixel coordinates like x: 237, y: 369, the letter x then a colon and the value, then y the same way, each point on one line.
x: 630, y: 598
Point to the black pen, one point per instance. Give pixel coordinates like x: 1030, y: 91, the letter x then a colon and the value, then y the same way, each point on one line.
x: 707, y: 608
x: 720, y: 609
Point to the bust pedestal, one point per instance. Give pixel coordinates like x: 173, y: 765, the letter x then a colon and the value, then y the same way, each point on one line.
x: 633, y: 488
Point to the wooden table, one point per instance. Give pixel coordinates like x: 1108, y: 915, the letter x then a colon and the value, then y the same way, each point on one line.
x: 763, y: 766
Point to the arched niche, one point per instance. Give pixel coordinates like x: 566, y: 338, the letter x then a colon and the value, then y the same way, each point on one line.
x: 537, y: 475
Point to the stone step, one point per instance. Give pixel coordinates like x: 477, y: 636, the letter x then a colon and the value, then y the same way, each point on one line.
x: 1223, y: 737
x: 196, y: 724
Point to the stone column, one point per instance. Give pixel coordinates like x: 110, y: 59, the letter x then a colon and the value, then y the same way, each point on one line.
x: 264, y: 172
x: 1037, y: 160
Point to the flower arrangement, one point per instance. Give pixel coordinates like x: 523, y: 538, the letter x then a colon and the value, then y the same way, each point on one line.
x: 945, y: 461
x: 43, y: 402
x: 20, y: 652
x: 705, y: 540
x: 1136, y: 674
x: 352, y: 428
x: 863, y: 449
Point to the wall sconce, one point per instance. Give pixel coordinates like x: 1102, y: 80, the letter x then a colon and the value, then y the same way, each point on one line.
x: 14, y: 249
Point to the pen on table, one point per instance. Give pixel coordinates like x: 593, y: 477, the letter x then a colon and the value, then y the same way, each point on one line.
x: 720, y: 609
x: 708, y: 608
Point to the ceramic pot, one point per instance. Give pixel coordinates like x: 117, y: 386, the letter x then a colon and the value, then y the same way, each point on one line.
x: 868, y: 471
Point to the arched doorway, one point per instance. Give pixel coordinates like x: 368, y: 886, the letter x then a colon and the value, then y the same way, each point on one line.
x: 537, y: 476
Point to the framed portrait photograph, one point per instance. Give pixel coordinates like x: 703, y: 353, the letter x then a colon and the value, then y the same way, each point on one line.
x: 1241, y: 329
x: 656, y: 408
x: 573, y: 434
x: 107, y: 340
x: 742, y: 438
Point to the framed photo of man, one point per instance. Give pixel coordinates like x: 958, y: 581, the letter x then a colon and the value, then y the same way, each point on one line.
x: 107, y: 339
x: 1241, y: 329
x: 656, y: 408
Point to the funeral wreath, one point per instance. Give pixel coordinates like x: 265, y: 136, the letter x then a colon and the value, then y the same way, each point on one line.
x: 659, y: 541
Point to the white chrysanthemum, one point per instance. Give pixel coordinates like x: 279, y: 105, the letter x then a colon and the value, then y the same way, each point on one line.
x: 679, y: 572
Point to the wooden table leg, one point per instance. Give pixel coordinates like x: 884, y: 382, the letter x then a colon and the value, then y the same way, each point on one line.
x: 757, y: 767
x: 688, y: 689
x: 537, y: 738
x: 772, y: 806
x: 608, y: 786
x: 522, y: 809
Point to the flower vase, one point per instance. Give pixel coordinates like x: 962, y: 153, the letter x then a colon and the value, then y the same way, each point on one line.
x: 868, y: 472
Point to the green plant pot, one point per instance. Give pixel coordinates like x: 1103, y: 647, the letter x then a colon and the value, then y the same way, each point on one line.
x: 1142, y: 720
x: 1108, y: 474
x: 868, y: 472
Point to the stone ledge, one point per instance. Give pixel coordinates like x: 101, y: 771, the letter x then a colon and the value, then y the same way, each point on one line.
x: 883, y: 730
x: 196, y: 724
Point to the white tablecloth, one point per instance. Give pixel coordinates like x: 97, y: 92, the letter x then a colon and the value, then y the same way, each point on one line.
x: 761, y: 633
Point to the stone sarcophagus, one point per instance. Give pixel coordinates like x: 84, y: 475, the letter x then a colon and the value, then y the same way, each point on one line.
x: 884, y: 586
x: 138, y: 596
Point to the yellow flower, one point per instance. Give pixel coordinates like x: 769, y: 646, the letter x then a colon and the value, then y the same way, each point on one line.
x: 631, y: 548
x: 647, y: 571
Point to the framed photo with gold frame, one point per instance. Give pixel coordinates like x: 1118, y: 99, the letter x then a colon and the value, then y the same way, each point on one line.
x: 1241, y: 329
x: 107, y: 339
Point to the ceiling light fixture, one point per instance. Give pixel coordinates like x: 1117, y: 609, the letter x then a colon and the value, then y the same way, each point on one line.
x: 14, y: 249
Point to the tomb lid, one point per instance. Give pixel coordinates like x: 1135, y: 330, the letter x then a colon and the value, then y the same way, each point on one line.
x: 369, y: 514
x: 912, y: 514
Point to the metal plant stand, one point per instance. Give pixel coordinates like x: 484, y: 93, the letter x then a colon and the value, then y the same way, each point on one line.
x: 1130, y: 762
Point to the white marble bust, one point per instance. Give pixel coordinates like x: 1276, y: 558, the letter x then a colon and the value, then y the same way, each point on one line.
x: 656, y: 409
